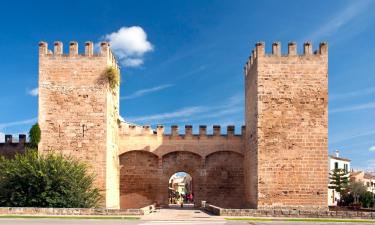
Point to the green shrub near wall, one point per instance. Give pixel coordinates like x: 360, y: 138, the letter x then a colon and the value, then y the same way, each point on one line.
x: 51, y: 180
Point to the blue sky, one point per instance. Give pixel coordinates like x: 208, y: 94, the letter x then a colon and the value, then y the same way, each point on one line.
x: 182, y: 61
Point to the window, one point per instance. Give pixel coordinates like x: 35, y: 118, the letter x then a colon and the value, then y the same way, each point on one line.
x: 336, y: 165
x: 368, y: 184
x: 346, y: 168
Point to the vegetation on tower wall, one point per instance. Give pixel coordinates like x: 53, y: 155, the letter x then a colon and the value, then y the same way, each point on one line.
x: 113, y: 76
x: 34, y: 135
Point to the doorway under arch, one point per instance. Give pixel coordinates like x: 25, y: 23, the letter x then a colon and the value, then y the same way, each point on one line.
x: 181, y: 190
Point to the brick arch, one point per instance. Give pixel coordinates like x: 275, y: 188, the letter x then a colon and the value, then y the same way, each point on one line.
x: 183, y: 161
x: 225, y: 179
x: 139, y: 177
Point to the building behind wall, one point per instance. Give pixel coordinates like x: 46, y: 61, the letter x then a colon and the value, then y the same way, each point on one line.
x: 337, y: 162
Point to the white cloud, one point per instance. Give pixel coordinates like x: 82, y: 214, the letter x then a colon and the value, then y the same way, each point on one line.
x: 181, y: 113
x: 352, y: 94
x: 129, y: 44
x: 372, y: 149
x: 33, y: 92
x: 2, y: 137
x: 146, y: 91
x: 16, y: 123
x: 339, y: 20
x: 232, y: 106
x: 370, y: 105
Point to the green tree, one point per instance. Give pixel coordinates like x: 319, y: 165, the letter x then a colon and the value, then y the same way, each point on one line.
x: 366, y: 199
x: 356, y: 188
x: 51, y: 180
x: 34, y: 135
x: 339, y: 180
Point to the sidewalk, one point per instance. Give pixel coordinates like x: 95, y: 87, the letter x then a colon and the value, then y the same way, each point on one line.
x: 175, y: 212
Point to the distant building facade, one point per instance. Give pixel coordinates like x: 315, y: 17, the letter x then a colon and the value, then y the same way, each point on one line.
x: 366, y: 178
x: 337, y: 162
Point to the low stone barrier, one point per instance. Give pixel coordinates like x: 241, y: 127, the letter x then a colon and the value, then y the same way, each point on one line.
x: 76, y: 211
x: 297, y: 213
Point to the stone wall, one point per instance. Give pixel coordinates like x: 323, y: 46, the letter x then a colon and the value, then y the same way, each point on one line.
x: 75, y: 211
x: 292, y: 125
x: 77, y: 110
x: 293, y: 213
x: 9, y: 148
x: 149, y: 158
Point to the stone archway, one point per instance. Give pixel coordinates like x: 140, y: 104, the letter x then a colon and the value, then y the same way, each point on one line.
x: 225, y: 179
x: 188, y: 162
x: 139, y: 178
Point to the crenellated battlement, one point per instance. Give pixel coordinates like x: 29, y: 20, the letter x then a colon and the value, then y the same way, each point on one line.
x: 259, y: 51
x: 131, y: 130
x: 8, y: 139
x: 58, y: 51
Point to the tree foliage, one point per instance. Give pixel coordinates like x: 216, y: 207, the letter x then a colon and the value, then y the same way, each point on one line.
x: 339, y: 180
x: 366, y: 199
x: 113, y: 76
x: 34, y: 135
x: 356, y: 188
x: 51, y: 180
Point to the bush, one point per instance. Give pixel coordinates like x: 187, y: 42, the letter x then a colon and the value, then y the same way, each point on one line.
x: 51, y: 180
x: 34, y: 135
x: 113, y: 76
x: 366, y: 199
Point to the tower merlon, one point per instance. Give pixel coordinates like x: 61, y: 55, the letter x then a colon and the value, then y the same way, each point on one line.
x: 58, y: 48
x: 230, y: 130
x: 8, y: 138
x: 276, y: 48
x: 292, y: 48
x: 243, y: 130
x: 259, y: 51
x: 307, y: 48
x: 202, y: 130
x: 216, y: 130
x: 160, y: 129
x: 22, y: 138
x: 174, y: 130
x: 73, y: 48
x: 188, y: 130
x: 89, y: 48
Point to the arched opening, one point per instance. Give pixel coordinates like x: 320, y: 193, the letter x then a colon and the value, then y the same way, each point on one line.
x: 180, y: 190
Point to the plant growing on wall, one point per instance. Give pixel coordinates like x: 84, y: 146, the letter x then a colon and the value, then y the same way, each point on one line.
x: 113, y: 76
x: 51, y: 180
x: 34, y: 135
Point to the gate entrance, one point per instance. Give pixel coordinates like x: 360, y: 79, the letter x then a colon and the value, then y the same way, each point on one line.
x: 180, y: 190
x: 181, y: 177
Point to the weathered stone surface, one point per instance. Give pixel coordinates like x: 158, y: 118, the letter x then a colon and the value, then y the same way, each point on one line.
x: 278, y: 160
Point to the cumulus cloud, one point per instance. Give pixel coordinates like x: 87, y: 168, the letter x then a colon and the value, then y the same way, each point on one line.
x: 129, y: 44
x: 372, y: 149
x: 33, y: 92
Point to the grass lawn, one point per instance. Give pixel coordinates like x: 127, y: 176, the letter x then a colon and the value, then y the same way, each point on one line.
x: 303, y: 220
x: 73, y: 217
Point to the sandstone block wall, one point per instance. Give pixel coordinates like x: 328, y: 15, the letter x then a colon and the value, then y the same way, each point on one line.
x: 9, y: 148
x: 290, y: 125
x: 149, y: 158
x: 77, y: 109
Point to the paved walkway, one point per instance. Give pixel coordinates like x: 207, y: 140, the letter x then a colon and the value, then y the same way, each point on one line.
x: 175, y: 212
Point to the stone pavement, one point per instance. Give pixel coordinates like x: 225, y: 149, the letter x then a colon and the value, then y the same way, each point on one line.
x: 176, y: 213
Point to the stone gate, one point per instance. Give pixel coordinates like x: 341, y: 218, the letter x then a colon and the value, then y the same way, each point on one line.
x: 279, y: 159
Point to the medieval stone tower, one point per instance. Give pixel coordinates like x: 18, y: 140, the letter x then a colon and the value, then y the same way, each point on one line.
x: 279, y: 159
x: 78, y: 112
x: 287, y: 126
